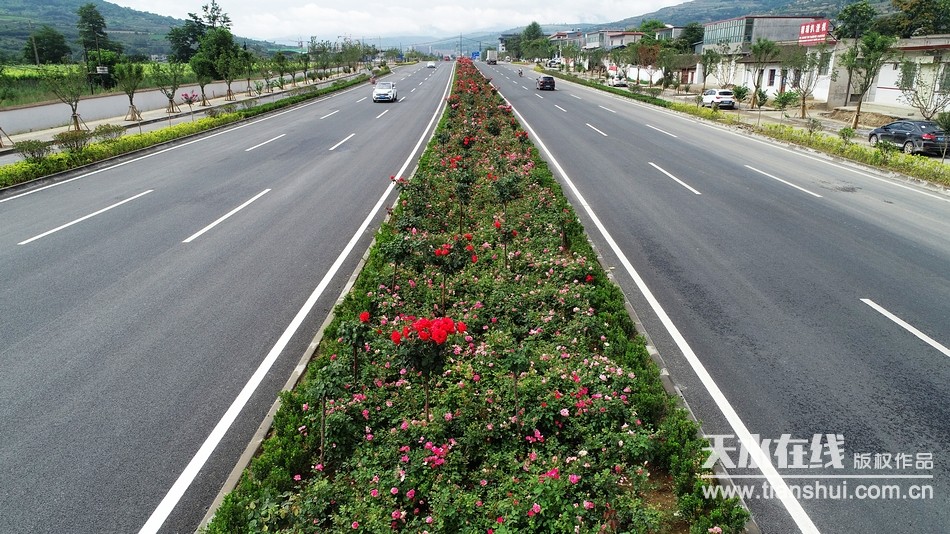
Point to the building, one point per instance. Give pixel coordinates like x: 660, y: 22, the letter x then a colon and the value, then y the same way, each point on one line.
x: 740, y: 33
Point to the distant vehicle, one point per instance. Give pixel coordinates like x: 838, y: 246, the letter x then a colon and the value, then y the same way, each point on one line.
x: 508, y: 59
x: 447, y: 58
x: 616, y: 81
x: 430, y: 65
x: 913, y: 137
x: 545, y: 82
x: 553, y: 63
x: 385, y: 92
x: 722, y: 98
x: 491, y: 57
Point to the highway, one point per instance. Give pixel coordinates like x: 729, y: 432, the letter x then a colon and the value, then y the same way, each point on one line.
x: 801, y: 304
x: 153, y: 308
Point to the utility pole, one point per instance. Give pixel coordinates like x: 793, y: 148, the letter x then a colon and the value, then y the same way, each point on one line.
x: 36, y: 53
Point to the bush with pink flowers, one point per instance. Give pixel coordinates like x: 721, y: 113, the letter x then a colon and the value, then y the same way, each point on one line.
x: 501, y: 384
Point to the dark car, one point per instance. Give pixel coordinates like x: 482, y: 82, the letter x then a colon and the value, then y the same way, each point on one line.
x: 545, y: 82
x: 913, y: 137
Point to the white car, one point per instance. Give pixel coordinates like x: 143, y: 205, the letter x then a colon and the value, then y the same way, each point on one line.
x: 385, y: 92
x: 721, y: 98
x: 430, y: 65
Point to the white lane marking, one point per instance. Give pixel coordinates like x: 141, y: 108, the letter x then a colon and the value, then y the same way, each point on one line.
x: 264, y: 143
x: 782, y: 491
x: 661, y: 131
x: 806, y: 156
x: 358, y: 101
x: 514, y: 82
x: 525, y: 87
x: 577, y: 97
x: 337, y: 111
x: 186, y: 143
x: 537, y: 95
x: 420, y: 83
x: 595, y: 129
x: 560, y: 108
x: 413, y: 89
x: 381, y: 114
x: 783, y: 181
x: 608, y: 109
x: 682, y: 183
x: 175, y: 493
x: 907, y: 326
x: 343, y: 141
x: 225, y: 216
x: 81, y: 219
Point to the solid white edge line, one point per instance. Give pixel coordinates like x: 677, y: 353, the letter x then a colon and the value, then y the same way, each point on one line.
x: 175, y: 493
x: 907, y: 326
x: 264, y: 143
x: 343, y: 141
x: 81, y: 219
x: 782, y: 491
x: 595, y: 129
x: 661, y: 131
x: 337, y: 111
x: 681, y: 182
x: 225, y: 216
x: 776, y: 178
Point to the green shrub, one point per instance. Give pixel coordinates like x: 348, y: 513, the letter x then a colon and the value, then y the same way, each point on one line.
x: 108, y: 132
x: 33, y: 150
x: 72, y: 140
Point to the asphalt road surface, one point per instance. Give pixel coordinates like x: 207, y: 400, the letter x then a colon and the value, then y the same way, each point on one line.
x: 153, y: 309
x: 792, y: 296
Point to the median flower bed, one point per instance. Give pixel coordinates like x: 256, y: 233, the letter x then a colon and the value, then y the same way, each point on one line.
x: 483, y: 374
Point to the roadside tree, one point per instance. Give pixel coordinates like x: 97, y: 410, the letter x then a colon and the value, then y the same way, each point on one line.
x: 943, y: 122
x: 230, y: 66
x: 708, y: 60
x: 763, y: 52
x: 129, y: 77
x: 204, y: 69
x: 854, y: 20
x: 726, y: 68
x: 864, y: 60
x: 926, y: 86
x: 68, y: 84
x: 807, y: 67
x: 50, y: 47
x: 168, y: 77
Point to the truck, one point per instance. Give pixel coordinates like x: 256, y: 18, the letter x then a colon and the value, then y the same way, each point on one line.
x: 491, y: 57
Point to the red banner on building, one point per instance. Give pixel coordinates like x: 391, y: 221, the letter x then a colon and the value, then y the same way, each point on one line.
x: 814, y: 32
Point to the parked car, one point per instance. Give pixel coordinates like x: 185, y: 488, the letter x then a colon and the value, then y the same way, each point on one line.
x: 545, y: 82
x: 722, y: 98
x: 430, y: 65
x: 553, y: 63
x: 914, y: 137
x: 385, y: 92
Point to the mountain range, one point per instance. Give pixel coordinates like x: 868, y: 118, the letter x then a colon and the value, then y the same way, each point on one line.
x: 144, y: 33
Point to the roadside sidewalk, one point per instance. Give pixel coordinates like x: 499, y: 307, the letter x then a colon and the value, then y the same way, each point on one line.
x: 155, y: 119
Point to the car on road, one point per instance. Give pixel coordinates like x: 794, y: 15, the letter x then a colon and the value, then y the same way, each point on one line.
x: 721, y: 98
x: 385, y: 92
x: 430, y: 65
x: 545, y: 82
x: 912, y: 136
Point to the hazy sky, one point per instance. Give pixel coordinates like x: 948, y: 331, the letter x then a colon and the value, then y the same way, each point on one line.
x: 283, y: 20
